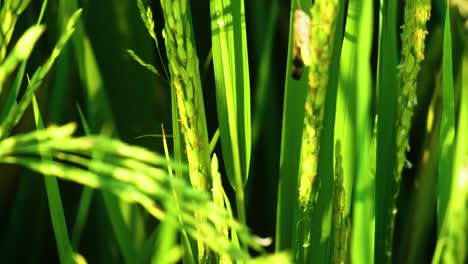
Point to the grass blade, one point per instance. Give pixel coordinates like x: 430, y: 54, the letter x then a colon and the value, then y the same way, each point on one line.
x: 100, y: 114
x: 293, y: 116
x: 98, y: 107
x: 85, y: 198
x: 165, y: 250
x: 452, y: 219
x: 320, y: 250
x: 353, y: 130
x: 264, y: 99
x: 230, y: 61
x: 119, y: 226
x: 447, y: 128
x: 386, y: 111
x: 362, y: 240
x: 453, y: 235
x: 55, y: 204
x: 453, y: 239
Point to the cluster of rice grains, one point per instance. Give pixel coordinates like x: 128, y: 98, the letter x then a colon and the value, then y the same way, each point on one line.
x: 414, y: 33
x: 185, y: 79
x: 317, y: 54
x: 340, y: 222
x: 321, y: 30
x: 313, y: 38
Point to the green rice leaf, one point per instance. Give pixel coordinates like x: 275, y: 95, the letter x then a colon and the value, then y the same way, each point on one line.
x: 452, y: 218
x: 85, y: 198
x: 360, y: 20
x: 55, y: 204
x: 293, y: 119
x: 386, y: 110
x: 447, y: 128
x: 320, y: 249
x: 230, y: 60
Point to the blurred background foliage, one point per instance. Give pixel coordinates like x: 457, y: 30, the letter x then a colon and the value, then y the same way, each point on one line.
x: 139, y: 103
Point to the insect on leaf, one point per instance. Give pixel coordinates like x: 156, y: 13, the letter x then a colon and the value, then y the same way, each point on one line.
x: 301, y: 53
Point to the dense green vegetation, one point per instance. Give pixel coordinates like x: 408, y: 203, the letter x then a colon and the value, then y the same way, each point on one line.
x: 229, y: 131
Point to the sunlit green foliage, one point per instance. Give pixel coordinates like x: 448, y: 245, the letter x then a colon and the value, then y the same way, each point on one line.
x: 229, y: 145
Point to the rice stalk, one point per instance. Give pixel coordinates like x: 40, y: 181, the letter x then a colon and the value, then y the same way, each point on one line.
x: 414, y: 33
x: 232, y: 80
x: 185, y: 79
x: 291, y: 135
x: 322, y: 31
x: 322, y: 28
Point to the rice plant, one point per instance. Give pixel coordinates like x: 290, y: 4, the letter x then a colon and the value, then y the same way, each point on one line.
x: 227, y: 131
